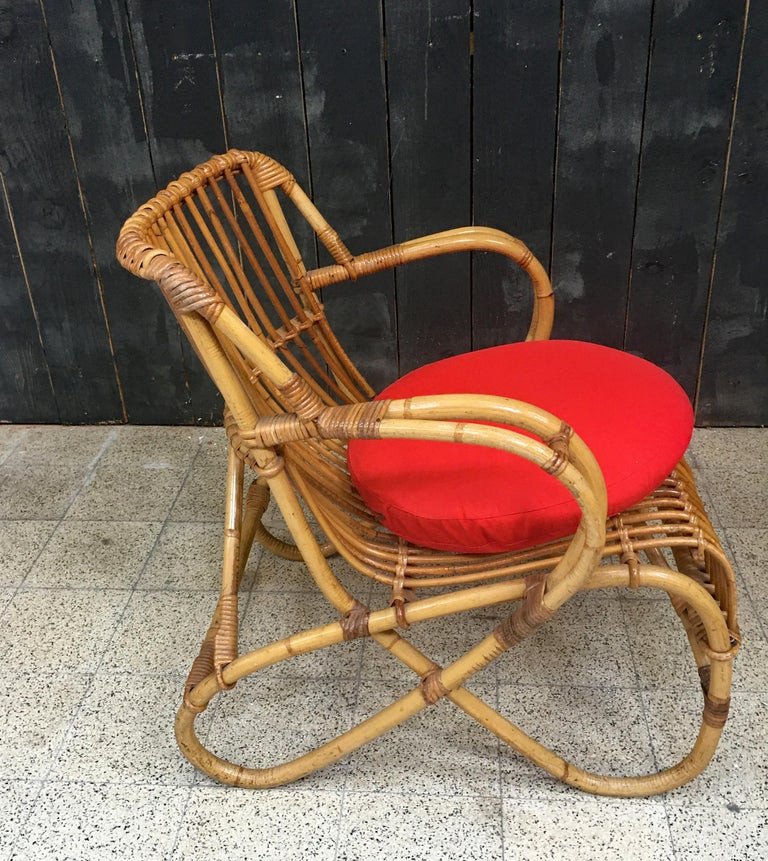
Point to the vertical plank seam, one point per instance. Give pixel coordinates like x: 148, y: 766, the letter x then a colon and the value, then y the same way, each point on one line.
x: 556, y: 151
x: 385, y: 67
x: 637, y: 180
x: 471, y: 50
x: 25, y: 276
x: 219, y: 92
x: 726, y: 169
x: 142, y: 107
x: 86, y: 218
x: 310, y: 183
x: 139, y: 90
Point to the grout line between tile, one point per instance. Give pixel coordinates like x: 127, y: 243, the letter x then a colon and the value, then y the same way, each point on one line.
x: 89, y: 469
x: 109, y: 440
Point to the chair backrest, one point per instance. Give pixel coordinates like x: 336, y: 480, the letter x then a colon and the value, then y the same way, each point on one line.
x: 218, y: 234
x: 224, y: 222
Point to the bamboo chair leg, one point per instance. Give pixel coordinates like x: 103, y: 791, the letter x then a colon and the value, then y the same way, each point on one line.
x: 716, y: 701
x: 675, y: 584
x: 219, y: 646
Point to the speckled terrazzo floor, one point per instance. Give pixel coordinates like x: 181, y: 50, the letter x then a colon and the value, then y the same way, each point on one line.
x: 109, y: 533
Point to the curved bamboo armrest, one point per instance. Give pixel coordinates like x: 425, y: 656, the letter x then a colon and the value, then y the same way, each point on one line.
x: 559, y: 452
x: 451, y: 242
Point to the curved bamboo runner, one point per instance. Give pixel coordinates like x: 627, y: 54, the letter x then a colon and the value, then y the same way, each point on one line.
x: 218, y: 243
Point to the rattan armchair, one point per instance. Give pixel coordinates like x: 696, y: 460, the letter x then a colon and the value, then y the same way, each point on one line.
x: 218, y: 243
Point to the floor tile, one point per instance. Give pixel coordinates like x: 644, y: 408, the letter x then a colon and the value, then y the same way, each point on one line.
x: 271, y: 616
x: 585, y: 643
x: 202, y: 496
x: 6, y: 594
x: 188, y: 556
x: 38, y: 491
x: 585, y: 829
x: 265, y: 722
x: 212, y: 455
x: 275, y: 574
x: 58, y: 629
x: 20, y: 543
x: 152, y: 448
x: 242, y: 825
x: 740, y: 498
x: 86, y: 822
x: 160, y: 632
x: 78, y: 447
x: 104, y: 554
x: 433, y: 829
x: 94, y: 676
x: 738, y: 773
x: 127, y: 493
x: 750, y: 549
x: 722, y: 834
x: 124, y: 733
x: 440, y: 751
x: 663, y: 656
x: 10, y: 438
x: 740, y: 449
x: 442, y: 640
x: 599, y: 729
x: 35, y: 712
x: 16, y: 797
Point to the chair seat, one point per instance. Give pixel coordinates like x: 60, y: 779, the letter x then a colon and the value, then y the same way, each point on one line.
x: 635, y: 418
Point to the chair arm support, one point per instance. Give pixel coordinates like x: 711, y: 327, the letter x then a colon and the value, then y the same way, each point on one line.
x: 451, y: 242
x: 559, y: 452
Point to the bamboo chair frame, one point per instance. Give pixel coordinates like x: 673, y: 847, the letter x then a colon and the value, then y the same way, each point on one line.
x: 218, y: 243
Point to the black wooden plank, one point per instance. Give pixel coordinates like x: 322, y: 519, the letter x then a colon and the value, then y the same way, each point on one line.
x: 514, y: 85
x: 344, y: 87
x: 262, y: 91
x: 177, y: 67
x: 43, y: 194
x: 428, y: 65
x: 603, y: 81
x: 92, y: 48
x: 734, y: 379
x: 693, y: 67
x: 26, y: 394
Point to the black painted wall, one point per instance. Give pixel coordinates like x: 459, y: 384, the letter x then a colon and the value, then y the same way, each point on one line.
x: 623, y: 140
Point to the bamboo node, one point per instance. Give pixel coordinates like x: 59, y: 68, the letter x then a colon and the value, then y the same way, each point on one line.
x: 432, y: 687
x: 355, y: 623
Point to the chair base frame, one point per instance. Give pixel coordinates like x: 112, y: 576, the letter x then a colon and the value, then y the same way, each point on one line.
x: 700, y: 587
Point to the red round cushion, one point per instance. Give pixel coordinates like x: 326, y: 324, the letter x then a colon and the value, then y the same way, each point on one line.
x: 470, y: 499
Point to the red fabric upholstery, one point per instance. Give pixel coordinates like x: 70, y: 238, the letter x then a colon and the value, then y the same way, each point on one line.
x: 468, y: 499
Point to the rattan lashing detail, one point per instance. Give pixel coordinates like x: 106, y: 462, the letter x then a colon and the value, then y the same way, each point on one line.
x: 218, y: 243
x: 531, y: 614
x: 354, y: 623
x: 432, y: 687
